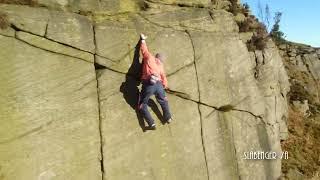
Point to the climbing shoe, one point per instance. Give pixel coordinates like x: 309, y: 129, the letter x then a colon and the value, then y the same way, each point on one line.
x: 152, y: 127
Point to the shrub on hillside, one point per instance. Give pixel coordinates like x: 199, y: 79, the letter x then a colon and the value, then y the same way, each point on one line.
x: 245, y: 9
x: 234, y: 8
x: 303, y: 145
x: 299, y: 93
x: 257, y: 42
x: 260, y: 34
x: 247, y: 25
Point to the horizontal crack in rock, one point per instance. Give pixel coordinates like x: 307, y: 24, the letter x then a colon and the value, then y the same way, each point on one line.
x: 68, y: 45
x: 183, y: 67
x: 30, y: 44
x: 34, y: 130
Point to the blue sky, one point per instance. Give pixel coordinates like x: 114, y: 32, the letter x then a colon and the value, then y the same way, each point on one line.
x: 300, y: 20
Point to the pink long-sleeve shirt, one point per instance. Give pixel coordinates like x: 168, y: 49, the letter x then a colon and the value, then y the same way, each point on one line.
x: 152, y: 65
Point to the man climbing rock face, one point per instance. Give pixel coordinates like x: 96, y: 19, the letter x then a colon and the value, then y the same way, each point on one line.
x: 154, y: 82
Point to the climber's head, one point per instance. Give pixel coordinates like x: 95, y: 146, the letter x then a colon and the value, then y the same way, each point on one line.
x: 160, y: 56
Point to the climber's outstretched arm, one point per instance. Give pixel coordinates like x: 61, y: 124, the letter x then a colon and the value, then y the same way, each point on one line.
x: 144, y: 49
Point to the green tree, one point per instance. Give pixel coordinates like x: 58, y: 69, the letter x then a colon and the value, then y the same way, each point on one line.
x: 276, y: 34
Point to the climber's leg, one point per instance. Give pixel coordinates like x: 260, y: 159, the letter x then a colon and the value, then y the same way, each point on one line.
x: 163, y: 101
x: 147, y: 91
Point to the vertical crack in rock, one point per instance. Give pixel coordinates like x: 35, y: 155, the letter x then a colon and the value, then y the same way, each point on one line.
x: 198, y: 87
x: 46, y: 30
x: 236, y: 164
x: 211, y: 15
x: 100, y: 131
x: 275, y: 108
x: 99, y: 110
x: 257, y: 67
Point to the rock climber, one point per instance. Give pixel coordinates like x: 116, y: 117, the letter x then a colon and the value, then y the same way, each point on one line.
x: 154, y: 82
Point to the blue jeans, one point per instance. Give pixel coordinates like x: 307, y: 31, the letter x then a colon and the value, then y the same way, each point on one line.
x: 147, y: 91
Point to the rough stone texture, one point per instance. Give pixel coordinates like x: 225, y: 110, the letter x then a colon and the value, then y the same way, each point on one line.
x: 110, y: 6
x: 273, y: 81
x: 239, y: 18
x: 49, y: 115
x: 312, y: 62
x: 184, y: 2
x: 219, y: 147
x: 71, y: 29
x: 54, y: 46
x: 303, y: 69
x: 225, y: 77
x: 83, y: 5
x: 121, y: 6
x: 206, y: 60
x: 245, y: 37
x: 116, y: 44
x: 7, y: 32
x: 221, y: 4
x: 227, y: 136
x: 153, y: 155
x: 116, y: 6
x: 195, y: 19
x: 185, y: 81
x: 27, y: 18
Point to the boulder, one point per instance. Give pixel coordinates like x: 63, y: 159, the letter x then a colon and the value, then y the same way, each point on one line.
x: 239, y: 18
x: 283, y: 46
x: 221, y: 4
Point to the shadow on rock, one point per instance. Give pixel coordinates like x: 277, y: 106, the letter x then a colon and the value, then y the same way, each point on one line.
x: 130, y: 89
x: 156, y: 110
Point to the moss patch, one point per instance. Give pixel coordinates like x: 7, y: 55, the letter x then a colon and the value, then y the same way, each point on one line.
x: 20, y: 2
